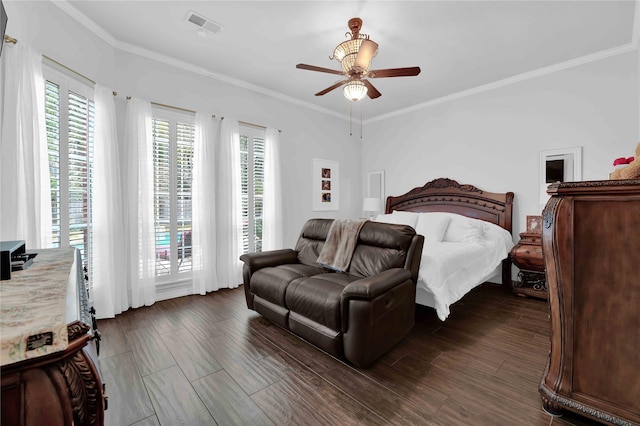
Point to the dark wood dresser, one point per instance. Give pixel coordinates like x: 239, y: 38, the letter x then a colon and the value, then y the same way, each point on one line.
x: 591, y: 244
x: 49, y: 360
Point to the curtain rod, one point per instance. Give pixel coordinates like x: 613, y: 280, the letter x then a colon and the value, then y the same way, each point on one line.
x: 171, y: 106
x: 12, y: 40
x: 74, y: 71
x: 214, y: 116
x: 69, y: 69
x: 246, y: 123
x: 9, y: 39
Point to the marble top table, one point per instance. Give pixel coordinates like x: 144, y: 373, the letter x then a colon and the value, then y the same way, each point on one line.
x: 35, y: 305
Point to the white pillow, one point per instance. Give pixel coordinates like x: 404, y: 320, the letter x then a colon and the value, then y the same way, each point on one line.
x: 385, y: 218
x: 497, y: 234
x: 463, y: 229
x: 406, y: 218
x: 432, y: 226
x: 400, y: 218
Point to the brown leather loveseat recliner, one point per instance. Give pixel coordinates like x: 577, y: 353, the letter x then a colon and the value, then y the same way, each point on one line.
x: 357, y: 315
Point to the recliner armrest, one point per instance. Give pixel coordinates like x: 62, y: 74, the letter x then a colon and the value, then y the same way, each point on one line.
x: 372, y: 287
x: 264, y: 259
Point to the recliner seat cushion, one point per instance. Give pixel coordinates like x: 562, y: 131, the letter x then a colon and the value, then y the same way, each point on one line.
x: 271, y: 283
x: 318, y: 298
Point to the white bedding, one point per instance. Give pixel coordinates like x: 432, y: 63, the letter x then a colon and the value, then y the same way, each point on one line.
x: 450, y: 269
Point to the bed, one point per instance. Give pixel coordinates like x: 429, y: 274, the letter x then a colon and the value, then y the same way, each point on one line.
x: 467, y: 238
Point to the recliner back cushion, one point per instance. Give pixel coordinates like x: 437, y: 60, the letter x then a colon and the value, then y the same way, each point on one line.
x: 311, y: 240
x: 381, y: 246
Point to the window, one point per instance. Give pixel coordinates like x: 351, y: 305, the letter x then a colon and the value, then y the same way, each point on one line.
x: 252, y: 179
x: 70, y: 117
x: 173, y: 139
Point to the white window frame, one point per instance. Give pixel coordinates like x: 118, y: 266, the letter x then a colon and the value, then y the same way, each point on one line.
x: 173, y: 116
x: 69, y: 83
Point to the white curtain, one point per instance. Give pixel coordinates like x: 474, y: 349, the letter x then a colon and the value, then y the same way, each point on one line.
x: 25, y: 195
x: 137, y: 191
x: 272, y: 228
x: 108, y: 275
x: 228, y: 206
x: 203, y: 204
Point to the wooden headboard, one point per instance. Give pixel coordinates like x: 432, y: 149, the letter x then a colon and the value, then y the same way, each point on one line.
x: 447, y: 195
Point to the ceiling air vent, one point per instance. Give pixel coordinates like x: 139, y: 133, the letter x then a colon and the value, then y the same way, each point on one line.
x: 204, y: 23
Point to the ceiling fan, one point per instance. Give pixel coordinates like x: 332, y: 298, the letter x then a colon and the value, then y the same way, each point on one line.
x: 355, y: 56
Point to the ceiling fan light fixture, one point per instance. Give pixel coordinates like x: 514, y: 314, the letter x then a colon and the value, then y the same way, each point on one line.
x: 348, y: 62
x: 346, y: 48
x: 355, y: 56
x: 355, y: 90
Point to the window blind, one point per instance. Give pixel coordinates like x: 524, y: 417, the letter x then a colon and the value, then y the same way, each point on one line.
x: 173, y: 142
x: 80, y: 178
x: 252, y: 186
x: 244, y: 184
x: 161, y: 194
x: 52, y: 120
x: 258, y: 191
x: 185, y: 135
x: 69, y: 122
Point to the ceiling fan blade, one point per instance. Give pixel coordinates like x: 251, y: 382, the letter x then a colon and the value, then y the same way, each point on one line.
x: 319, y: 69
x: 372, y: 92
x: 394, y: 72
x: 330, y: 88
x: 368, y: 49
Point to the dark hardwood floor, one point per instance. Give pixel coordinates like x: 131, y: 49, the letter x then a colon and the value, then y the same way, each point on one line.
x: 209, y: 360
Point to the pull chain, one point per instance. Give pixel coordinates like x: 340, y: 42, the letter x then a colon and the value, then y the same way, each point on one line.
x: 360, y: 120
x: 351, y: 119
x: 350, y: 133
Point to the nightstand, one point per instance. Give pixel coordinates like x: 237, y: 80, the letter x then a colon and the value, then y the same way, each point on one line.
x: 527, y: 255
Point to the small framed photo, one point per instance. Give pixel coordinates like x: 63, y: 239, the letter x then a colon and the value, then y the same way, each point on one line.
x: 325, y: 185
x: 534, y: 224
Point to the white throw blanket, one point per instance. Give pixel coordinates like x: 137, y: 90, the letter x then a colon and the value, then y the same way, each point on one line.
x: 341, y: 242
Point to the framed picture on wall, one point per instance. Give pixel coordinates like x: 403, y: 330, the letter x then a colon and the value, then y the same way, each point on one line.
x: 534, y: 224
x: 325, y: 185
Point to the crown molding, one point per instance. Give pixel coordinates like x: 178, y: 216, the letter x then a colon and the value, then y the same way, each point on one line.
x: 629, y: 47
x: 187, y: 66
x: 140, y: 51
x: 85, y: 21
x: 136, y: 50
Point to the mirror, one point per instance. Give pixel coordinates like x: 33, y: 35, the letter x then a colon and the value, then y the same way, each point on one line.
x: 558, y: 165
x: 375, y: 187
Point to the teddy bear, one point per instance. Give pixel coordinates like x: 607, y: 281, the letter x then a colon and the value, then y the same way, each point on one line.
x: 632, y: 171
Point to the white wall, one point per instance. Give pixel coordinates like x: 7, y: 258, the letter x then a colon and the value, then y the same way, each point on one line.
x: 493, y: 139
x: 52, y: 32
x: 306, y: 134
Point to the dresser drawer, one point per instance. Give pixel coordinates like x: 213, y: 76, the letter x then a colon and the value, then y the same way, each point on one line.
x: 528, y: 257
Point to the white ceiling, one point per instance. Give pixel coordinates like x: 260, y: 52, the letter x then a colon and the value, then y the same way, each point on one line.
x: 460, y: 46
